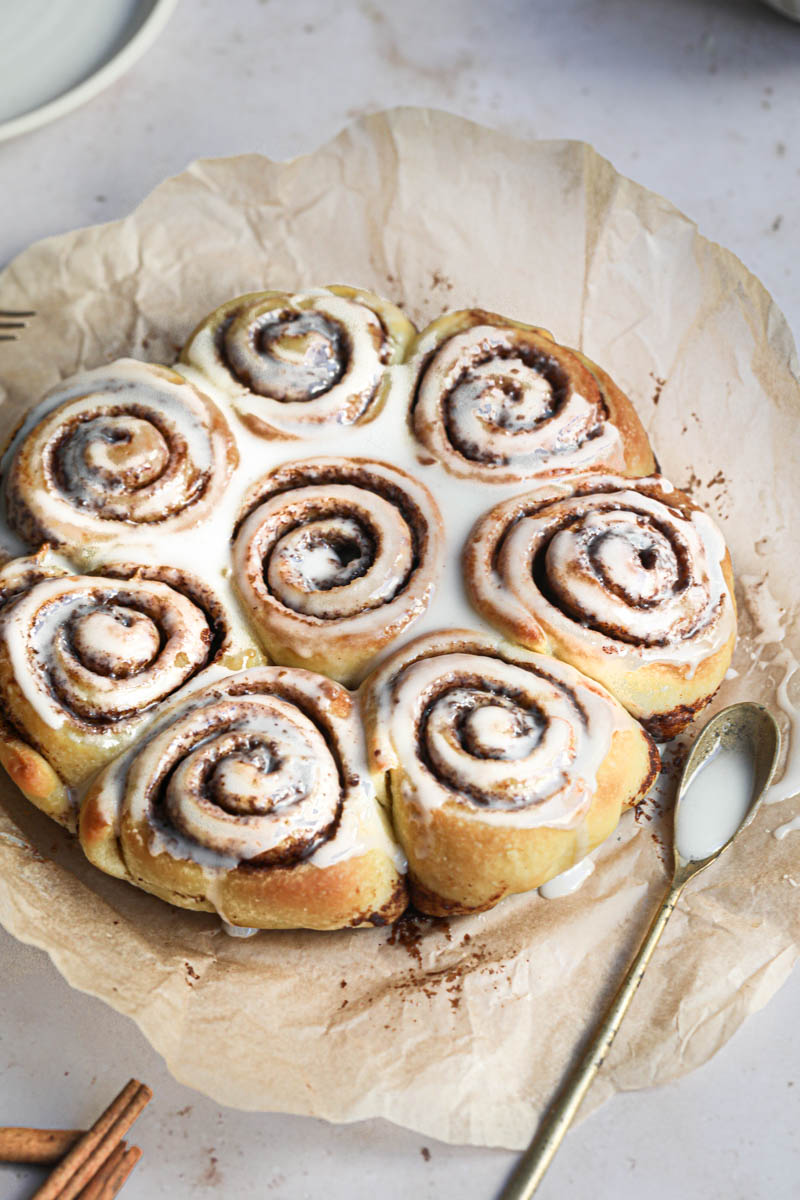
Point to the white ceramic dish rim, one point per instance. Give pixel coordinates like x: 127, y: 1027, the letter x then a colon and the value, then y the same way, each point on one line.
x: 100, y: 79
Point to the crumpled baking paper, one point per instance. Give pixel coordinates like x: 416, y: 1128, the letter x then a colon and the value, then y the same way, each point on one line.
x: 459, y: 1029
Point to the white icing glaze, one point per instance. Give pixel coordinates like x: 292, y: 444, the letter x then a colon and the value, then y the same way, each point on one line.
x: 483, y: 410
x: 313, y: 580
x: 204, y: 548
x: 38, y: 633
x: 503, y: 740
x: 118, y: 451
x: 255, y: 776
x: 313, y: 360
x: 788, y: 827
x: 382, y: 528
x: 715, y: 804
x: 770, y: 619
x: 616, y: 567
x: 282, y: 787
x: 789, y: 783
x: 568, y: 881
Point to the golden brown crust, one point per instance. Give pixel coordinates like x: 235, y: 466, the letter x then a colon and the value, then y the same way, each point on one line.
x: 375, y: 531
x: 500, y: 401
x: 470, y: 847
x: 74, y: 684
x: 469, y: 868
x: 35, y: 778
x: 118, y: 454
x: 251, y: 799
x: 639, y: 457
x: 468, y: 840
x: 625, y: 579
x: 298, y: 365
x: 361, y: 891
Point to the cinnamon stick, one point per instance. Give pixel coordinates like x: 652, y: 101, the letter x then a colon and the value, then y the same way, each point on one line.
x: 112, y: 1174
x: 92, y: 1150
x: 120, y: 1173
x: 95, y: 1186
x: 22, y: 1145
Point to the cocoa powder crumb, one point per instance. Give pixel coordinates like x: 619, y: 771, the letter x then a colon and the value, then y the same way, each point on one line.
x: 212, y: 1175
x: 693, y: 483
x: 407, y: 932
x: 660, y: 384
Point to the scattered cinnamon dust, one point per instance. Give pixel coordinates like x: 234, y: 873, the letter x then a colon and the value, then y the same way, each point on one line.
x: 438, y: 280
x: 212, y: 1176
x: 660, y: 385
x: 408, y: 932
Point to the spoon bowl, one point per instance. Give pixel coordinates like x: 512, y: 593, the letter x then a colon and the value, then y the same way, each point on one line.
x: 729, y: 768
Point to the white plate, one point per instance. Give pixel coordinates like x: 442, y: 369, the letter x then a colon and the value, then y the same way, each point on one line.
x: 789, y: 8
x: 57, y: 54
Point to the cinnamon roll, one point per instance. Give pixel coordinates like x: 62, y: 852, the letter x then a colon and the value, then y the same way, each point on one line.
x: 335, y: 558
x: 251, y: 798
x: 87, y: 660
x: 626, y: 579
x: 299, y: 365
x: 499, y: 401
x: 502, y: 768
x: 121, y: 453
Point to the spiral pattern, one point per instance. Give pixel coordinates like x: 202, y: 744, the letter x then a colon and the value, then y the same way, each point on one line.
x: 295, y: 365
x: 335, y: 559
x: 245, y: 775
x: 262, y: 770
x: 19, y: 575
x: 122, y: 453
x: 499, y: 401
x: 512, y: 738
x: 502, y: 768
x: 609, y: 572
x: 93, y: 653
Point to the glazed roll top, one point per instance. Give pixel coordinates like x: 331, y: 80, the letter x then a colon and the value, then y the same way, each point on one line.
x: 102, y: 652
x: 335, y: 559
x: 502, y: 767
x: 86, y: 660
x: 298, y: 365
x: 499, y: 401
x: 124, y: 453
x: 627, y: 579
x: 251, y: 798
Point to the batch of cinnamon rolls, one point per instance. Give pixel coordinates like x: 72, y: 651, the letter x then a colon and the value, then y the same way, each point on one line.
x: 335, y: 615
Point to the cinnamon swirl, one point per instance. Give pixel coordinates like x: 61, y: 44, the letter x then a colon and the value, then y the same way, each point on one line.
x: 251, y: 798
x: 499, y: 401
x: 121, y: 453
x: 298, y: 365
x: 626, y: 579
x: 335, y: 558
x: 502, y: 768
x: 86, y: 661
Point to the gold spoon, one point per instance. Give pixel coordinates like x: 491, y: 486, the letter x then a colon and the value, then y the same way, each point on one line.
x: 748, y: 730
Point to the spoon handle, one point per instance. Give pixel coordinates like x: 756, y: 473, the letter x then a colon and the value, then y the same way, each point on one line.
x: 532, y: 1165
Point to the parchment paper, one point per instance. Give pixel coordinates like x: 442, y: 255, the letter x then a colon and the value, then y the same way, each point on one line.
x: 458, y: 1029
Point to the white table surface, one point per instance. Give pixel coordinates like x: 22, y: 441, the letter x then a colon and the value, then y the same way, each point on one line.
x: 697, y: 99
